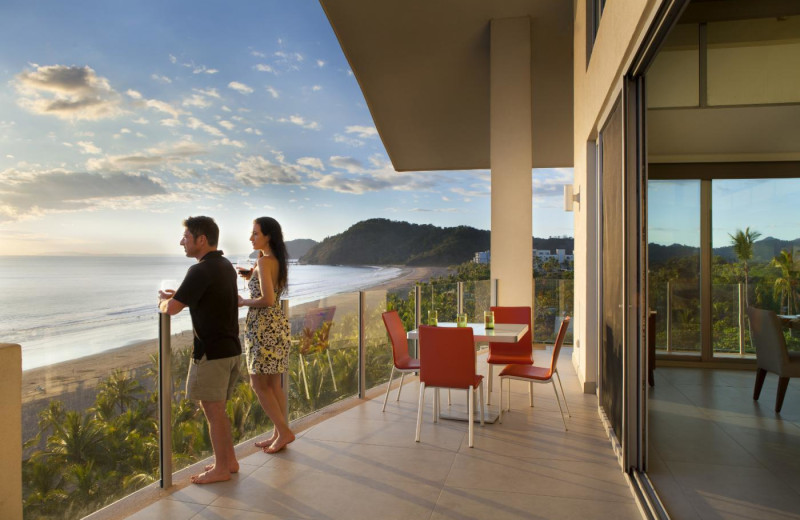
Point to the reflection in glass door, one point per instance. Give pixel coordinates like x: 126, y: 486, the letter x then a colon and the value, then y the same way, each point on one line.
x: 674, y: 264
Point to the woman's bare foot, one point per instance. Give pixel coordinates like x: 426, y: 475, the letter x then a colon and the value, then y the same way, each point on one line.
x: 211, y: 476
x: 280, y: 442
x: 232, y: 469
x: 267, y: 443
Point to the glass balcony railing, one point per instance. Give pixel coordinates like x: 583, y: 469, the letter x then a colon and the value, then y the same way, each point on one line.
x: 554, y: 299
x: 95, y: 436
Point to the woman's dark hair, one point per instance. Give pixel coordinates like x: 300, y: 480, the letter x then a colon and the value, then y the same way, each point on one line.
x: 270, y: 227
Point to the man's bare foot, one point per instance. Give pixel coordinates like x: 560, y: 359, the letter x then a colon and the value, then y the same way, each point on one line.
x: 233, y: 469
x: 209, y: 477
x: 267, y: 443
x: 280, y: 443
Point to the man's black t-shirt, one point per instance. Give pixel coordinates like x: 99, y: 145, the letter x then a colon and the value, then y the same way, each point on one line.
x: 210, y: 291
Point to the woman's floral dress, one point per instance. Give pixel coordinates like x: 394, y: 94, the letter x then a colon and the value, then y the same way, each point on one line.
x: 267, y: 335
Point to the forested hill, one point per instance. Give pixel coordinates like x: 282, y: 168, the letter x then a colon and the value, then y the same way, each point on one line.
x: 764, y: 250
x: 387, y: 242
x: 297, y: 248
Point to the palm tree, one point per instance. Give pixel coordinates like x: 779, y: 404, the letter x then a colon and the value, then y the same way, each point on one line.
x: 119, y: 389
x: 787, y: 286
x: 742, y: 243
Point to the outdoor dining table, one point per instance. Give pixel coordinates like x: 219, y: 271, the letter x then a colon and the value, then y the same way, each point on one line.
x: 502, y: 333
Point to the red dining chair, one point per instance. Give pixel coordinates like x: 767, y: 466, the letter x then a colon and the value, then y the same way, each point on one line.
x: 402, y: 361
x: 534, y: 374
x: 519, y: 353
x: 447, y: 360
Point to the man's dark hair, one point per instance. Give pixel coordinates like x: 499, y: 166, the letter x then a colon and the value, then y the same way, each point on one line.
x: 203, y: 226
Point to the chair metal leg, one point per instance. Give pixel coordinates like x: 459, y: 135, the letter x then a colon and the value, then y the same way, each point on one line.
x: 563, y: 394
x: 558, y: 400
x: 480, y: 398
x: 388, y: 387
x: 530, y: 393
x: 448, y: 397
x: 470, y: 404
x: 419, y: 410
x: 436, y: 397
x: 400, y: 388
x: 489, y: 396
x: 500, y: 416
x: 761, y: 374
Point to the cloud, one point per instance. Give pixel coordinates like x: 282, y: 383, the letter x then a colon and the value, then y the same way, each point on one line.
x: 68, y: 92
x: 263, y: 67
x: 31, y: 194
x: 195, y: 123
x: 349, y: 141
x: 197, y: 100
x: 162, y: 106
x: 226, y: 124
x: 549, y: 182
x: 300, y: 121
x: 154, y: 157
x: 257, y: 171
x: 254, y: 131
x: 316, y: 88
x: 320, y: 63
x: 160, y: 79
x: 435, y: 210
x: 229, y: 142
x: 364, y: 132
x: 350, y: 164
x: 273, y: 92
x: 358, y: 179
x: 311, y: 162
x: 133, y: 94
x: 87, y: 147
x: 201, y: 69
x: 240, y: 87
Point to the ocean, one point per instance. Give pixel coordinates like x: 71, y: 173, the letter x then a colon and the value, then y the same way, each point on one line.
x: 62, y: 308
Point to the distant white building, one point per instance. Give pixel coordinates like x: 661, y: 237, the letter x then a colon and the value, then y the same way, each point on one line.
x: 482, y: 257
x: 542, y: 255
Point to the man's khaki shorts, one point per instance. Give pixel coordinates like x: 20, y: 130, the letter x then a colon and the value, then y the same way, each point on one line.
x: 212, y: 380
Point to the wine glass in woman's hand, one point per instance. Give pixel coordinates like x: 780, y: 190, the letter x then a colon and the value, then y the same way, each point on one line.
x: 244, y: 266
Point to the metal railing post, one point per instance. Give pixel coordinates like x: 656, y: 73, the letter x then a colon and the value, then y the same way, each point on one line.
x: 495, y: 288
x: 165, y: 400
x: 460, y: 293
x: 669, y: 317
x: 742, y: 301
x: 285, y: 375
x: 362, y: 357
x: 417, y: 314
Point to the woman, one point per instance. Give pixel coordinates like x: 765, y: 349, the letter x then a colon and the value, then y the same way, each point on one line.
x: 267, y: 332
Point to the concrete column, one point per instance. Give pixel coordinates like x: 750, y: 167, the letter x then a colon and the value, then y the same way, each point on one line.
x: 511, y: 159
x: 11, y: 431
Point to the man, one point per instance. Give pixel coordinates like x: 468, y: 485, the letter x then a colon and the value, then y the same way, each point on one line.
x: 210, y: 291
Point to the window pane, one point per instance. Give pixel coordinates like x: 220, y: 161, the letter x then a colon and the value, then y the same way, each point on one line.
x: 755, y: 237
x: 674, y: 261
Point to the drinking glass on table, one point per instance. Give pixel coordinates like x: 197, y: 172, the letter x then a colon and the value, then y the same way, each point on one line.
x: 433, y: 318
x: 461, y: 320
x: 488, y: 319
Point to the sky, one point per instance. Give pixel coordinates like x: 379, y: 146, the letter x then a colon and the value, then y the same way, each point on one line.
x: 120, y: 119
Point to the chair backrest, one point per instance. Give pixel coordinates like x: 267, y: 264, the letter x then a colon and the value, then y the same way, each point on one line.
x: 446, y: 356
x: 766, y: 333
x: 397, y: 334
x: 513, y: 315
x: 562, y: 332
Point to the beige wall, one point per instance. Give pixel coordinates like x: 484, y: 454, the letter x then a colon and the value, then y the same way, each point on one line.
x: 11, y: 432
x: 596, y: 87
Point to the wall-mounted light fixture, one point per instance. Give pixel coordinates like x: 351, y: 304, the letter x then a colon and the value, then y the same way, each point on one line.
x: 571, y: 196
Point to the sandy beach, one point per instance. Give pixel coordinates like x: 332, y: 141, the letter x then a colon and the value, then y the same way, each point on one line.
x: 73, y: 382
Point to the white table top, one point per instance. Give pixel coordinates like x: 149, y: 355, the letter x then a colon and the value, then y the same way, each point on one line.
x: 502, y: 332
